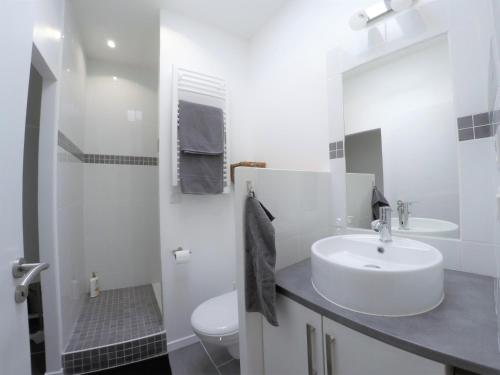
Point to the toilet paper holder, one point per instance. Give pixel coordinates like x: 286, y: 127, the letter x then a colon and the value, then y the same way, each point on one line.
x: 179, y: 249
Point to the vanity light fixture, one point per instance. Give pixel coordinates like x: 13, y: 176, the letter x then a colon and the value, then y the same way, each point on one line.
x: 111, y: 43
x: 363, y: 17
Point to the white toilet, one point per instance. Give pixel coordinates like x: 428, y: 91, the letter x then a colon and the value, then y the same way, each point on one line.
x: 216, y: 322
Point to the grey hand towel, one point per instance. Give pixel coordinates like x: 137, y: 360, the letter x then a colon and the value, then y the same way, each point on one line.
x: 201, y: 129
x: 201, y: 174
x: 378, y: 200
x: 260, y: 261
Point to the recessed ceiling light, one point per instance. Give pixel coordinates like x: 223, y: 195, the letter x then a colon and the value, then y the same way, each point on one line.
x: 115, y: 78
x: 111, y: 43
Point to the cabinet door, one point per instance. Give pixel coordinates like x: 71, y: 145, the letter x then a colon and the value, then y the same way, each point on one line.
x: 348, y: 352
x: 295, y: 347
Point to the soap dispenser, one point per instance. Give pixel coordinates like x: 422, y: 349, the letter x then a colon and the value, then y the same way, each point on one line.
x: 94, y: 285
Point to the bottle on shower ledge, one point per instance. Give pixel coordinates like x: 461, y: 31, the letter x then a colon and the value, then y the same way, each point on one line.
x: 94, y: 286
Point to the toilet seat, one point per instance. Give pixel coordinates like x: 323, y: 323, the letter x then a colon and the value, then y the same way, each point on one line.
x: 217, y: 317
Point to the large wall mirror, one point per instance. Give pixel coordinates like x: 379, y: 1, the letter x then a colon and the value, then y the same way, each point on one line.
x: 401, y: 145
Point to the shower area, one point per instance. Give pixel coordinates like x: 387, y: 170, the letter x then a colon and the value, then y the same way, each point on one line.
x: 108, y: 188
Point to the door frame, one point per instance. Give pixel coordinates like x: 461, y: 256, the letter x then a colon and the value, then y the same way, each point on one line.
x: 47, y: 213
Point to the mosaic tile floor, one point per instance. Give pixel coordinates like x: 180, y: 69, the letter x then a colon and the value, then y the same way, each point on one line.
x: 116, y: 315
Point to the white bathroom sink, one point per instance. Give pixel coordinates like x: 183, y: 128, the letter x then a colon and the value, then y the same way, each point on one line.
x: 361, y: 273
x: 426, y: 226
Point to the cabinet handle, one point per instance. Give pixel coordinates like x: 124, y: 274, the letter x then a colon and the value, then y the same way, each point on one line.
x: 311, y: 332
x: 330, y: 341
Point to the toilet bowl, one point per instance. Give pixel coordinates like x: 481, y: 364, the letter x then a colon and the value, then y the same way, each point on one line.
x: 215, y: 321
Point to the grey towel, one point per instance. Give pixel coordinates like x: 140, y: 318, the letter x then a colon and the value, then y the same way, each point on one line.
x: 201, y: 174
x: 201, y: 129
x: 260, y: 261
x: 378, y: 200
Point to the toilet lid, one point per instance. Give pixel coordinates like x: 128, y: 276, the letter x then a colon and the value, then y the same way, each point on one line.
x: 217, y: 316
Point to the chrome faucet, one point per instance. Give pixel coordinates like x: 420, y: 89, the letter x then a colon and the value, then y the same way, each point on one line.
x: 383, y: 224
x: 403, y: 213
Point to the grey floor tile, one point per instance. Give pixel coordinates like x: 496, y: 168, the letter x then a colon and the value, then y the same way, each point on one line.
x: 116, y: 315
x: 191, y: 360
x: 218, y: 354
x: 231, y: 368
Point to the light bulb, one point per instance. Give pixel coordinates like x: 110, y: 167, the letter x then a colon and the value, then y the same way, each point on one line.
x: 399, y: 5
x: 358, y: 20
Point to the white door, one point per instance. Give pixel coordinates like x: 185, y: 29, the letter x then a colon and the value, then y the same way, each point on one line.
x: 16, y: 28
x: 295, y: 347
x: 348, y: 352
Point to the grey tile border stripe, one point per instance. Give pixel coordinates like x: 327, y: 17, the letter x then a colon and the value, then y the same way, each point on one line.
x: 65, y: 143
x: 465, y: 134
x: 336, y: 150
x: 120, y: 159
x: 477, y: 126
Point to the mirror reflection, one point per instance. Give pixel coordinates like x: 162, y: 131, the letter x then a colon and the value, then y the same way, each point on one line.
x: 401, y: 143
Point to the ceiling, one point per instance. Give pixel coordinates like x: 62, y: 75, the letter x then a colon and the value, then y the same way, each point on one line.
x: 134, y: 24
x: 239, y: 17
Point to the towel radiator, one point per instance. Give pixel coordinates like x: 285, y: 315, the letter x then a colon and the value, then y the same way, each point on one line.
x: 200, y: 88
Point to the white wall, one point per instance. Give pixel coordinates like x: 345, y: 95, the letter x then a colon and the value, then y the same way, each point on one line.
x: 409, y: 96
x: 72, y: 279
x: 108, y: 129
x: 299, y: 202
x: 121, y: 201
x: 288, y: 86
x: 121, y: 225
x: 204, y: 224
x: 47, y: 58
x: 48, y: 32
x: 469, y: 28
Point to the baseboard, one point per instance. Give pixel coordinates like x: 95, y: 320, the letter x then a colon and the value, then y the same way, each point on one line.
x: 181, y: 343
x: 60, y: 372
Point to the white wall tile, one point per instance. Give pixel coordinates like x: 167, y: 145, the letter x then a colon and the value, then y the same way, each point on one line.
x: 70, y: 179
x: 108, y: 128
x: 478, y: 188
x: 478, y: 258
x: 121, y: 224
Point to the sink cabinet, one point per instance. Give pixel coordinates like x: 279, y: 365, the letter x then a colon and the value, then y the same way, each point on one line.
x: 306, y: 343
x: 295, y: 347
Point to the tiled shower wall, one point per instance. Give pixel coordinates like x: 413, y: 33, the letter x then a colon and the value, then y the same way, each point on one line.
x: 121, y: 175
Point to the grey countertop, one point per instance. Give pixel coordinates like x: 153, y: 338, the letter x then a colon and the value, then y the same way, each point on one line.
x: 461, y: 332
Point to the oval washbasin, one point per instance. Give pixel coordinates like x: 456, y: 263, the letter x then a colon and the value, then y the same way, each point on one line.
x: 361, y: 273
x: 425, y: 226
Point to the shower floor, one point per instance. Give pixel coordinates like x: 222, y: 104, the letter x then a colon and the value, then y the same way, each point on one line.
x: 119, y: 326
x: 116, y: 315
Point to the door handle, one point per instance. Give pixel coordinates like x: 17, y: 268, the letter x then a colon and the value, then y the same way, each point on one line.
x: 27, y: 271
x: 330, y: 341
x: 311, y: 332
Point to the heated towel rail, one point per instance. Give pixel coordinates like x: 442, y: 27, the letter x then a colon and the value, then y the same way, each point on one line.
x: 204, y: 89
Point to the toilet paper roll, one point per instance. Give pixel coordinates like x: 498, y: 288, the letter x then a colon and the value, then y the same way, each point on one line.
x: 182, y: 256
